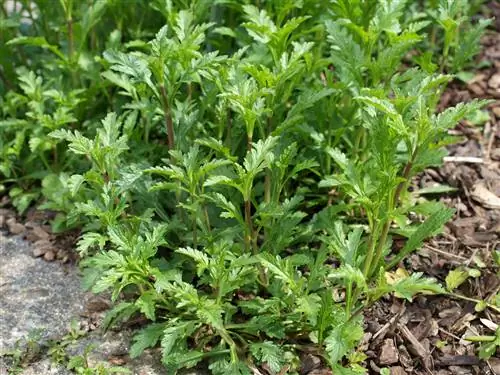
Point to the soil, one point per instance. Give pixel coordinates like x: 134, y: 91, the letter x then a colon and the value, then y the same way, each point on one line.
x: 428, y: 335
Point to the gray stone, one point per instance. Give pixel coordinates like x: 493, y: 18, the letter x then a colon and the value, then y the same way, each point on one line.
x: 34, y: 295
x: 45, y: 367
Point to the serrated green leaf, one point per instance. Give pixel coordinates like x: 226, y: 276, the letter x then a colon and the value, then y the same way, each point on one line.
x: 342, y: 339
x: 455, y: 278
x: 146, y: 338
x: 429, y: 227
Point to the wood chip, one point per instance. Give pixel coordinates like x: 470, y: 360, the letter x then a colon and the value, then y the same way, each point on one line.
x: 40, y: 233
x: 39, y: 251
x: 489, y: 324
x: 486, y: 198
x: 49, y: 256
x: 389, y: 353
x: 14, y: 226
x: 398, y: 370
x: 309, y: 363
x: 416, y: 345
x: 494, y: 81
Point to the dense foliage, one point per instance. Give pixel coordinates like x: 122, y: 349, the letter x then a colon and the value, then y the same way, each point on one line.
x: 238, y: 168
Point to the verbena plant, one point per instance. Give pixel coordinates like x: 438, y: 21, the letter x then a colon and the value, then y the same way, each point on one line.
x: 243, y: 190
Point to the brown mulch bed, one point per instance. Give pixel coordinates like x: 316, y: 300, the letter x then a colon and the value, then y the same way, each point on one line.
x: 427, y: 336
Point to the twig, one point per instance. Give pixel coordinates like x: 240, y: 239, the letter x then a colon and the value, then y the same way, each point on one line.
x: 474, y: 252
x: 490, y: 141
x: 391, y: 322
x: 445, y: 253
x: 449, y: 333
x: 463, y: 159
x: 421, y: 351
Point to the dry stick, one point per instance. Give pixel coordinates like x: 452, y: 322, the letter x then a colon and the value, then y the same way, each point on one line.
x: 422, y: 352
x: 445, y: 253
x: 463, y: 159
x: 490, y: 141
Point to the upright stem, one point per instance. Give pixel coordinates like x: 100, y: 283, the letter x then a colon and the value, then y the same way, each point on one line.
x: 392, y: 204
x: 229, y: 128
x: 348, y: 299
x: 169, y: 124
x: 251, y: 240
x: 195, y: 230
x: 207, y: 218
x: 267, y: 178
x: 249, y: 226
x: 249, y: 143
x: 71, y: 44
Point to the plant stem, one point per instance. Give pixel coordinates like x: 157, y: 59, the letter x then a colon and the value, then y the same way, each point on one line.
x: 195, y: 231
x: 348, y: 299
x: 251, y: 241
x: 249, y: 226
x: 71, y: 48
x: 459, y: 296
x: 169, y: 124
x: 229, y: 128
x: 374, y: 254
x: 393, y: 202
x: 207, y: 218
x: 267, y: 178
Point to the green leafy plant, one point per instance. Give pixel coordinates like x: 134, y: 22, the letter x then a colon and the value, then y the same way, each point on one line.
x: 242, y: 201
x: 79, y: 364
x: 461, y: 39
x: 489, y: 344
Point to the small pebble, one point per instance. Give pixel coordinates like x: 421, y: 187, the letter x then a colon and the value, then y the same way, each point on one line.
x: 49, y: 256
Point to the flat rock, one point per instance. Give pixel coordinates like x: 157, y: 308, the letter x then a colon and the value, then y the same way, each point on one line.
x: 45, y: 367
x: 34, y: 295
x: 40, y: 297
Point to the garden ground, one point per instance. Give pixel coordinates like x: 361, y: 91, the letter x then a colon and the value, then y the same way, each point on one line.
x: 423, y: 337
